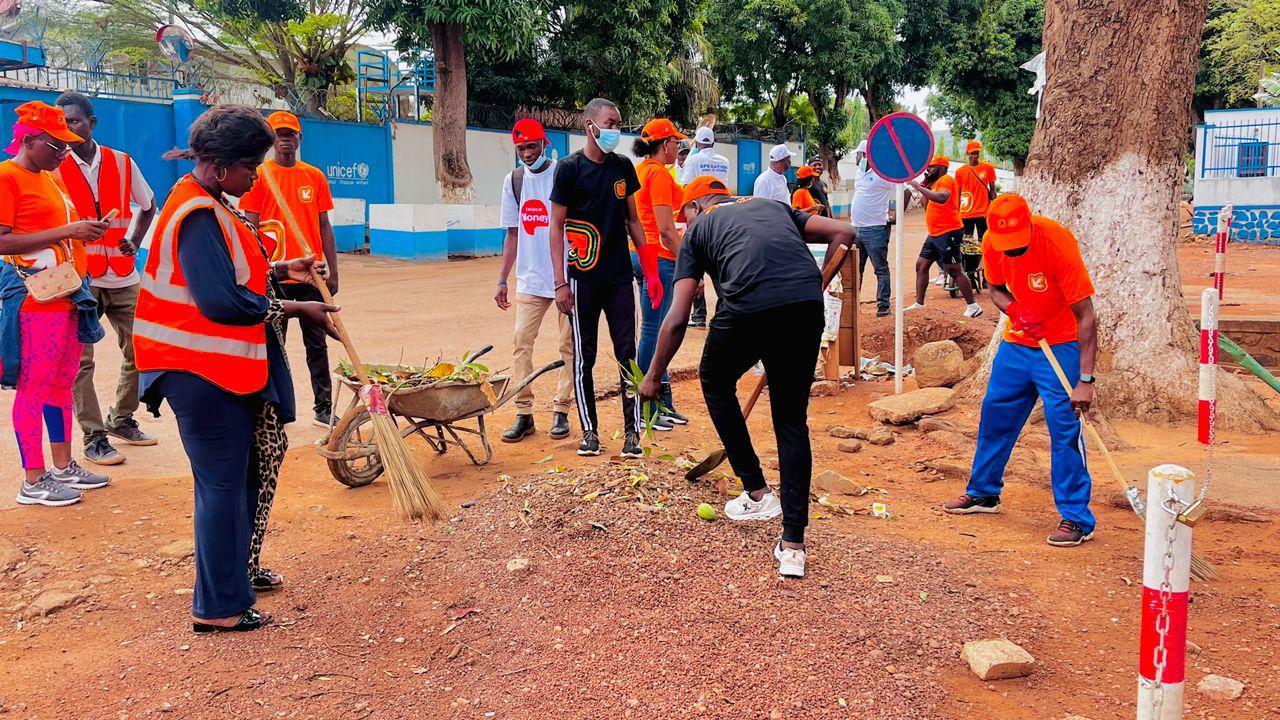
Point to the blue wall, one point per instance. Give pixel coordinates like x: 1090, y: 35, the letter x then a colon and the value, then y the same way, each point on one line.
x: 748, y: 165
x: 355, y: 157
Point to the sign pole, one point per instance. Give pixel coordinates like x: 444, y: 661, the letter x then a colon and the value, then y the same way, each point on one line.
x: 899, y: 233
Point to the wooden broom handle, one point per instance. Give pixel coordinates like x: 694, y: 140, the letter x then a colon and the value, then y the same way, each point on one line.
x: 1088, y: 428
x: 318, y: 280
x: 828, y: 274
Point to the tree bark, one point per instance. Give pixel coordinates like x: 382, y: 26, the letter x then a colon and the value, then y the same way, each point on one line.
x: 1107, y: 161
x: 449, y: 114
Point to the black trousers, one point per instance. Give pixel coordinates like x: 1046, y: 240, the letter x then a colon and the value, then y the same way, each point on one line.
x: 316, y: 343
x: 617, y: 302
x: 786, y: 340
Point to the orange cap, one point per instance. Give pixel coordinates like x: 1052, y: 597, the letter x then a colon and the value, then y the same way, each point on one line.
x: 805, y: 172
x: 660, y: 129
x: 1009, y: 223
x: 701, y: 186
x: 283, y: 119
x: 972, y: 147
x: 47, y: 118
x: 942, y: 160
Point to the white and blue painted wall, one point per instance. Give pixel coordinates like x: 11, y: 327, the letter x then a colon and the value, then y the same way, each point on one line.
x: 1237, y: 163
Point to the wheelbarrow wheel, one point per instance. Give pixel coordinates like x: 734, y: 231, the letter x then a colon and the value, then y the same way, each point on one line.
x: 353, y: 437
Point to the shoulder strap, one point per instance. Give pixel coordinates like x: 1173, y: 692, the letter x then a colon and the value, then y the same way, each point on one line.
x: 517, y: 184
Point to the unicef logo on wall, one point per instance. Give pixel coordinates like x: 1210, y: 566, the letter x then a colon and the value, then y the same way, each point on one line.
x: 362, y: 171
x: 356, y: 173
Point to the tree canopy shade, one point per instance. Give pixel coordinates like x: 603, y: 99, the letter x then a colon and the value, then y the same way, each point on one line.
x: 981, y: 88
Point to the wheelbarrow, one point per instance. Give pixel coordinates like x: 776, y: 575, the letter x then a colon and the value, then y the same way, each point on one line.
x: 436, y: 412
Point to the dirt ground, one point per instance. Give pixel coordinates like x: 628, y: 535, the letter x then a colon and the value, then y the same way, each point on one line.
x: 630, y: 606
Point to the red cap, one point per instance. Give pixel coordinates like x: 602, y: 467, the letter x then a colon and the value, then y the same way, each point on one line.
x: 527, y: 130
x: 806, y: 172
x: 284, y: 120
x: 1009, y: 223
x: 700, y: 186
x: 660, y: 129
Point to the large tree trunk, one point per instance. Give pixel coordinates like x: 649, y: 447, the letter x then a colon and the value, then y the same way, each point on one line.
x: 449, y: 114
x: 1107, y: 161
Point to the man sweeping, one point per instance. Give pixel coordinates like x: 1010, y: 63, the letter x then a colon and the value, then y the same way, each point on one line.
x: 1039, y: 280
x: 770, y: 311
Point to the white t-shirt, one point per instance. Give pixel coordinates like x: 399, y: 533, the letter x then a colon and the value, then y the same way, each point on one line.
x: 140, y: 194
x: 770, y: 184
x: 704, y: 162
x: 533, y: 236
x: 871, y: 195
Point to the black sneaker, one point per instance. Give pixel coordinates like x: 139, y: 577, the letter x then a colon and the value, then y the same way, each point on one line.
x: 519, y: 430
x: 675, y: 417
x: 882, y: 312
x: 559, y: 426
x: 969, y: 504
x: 631, y: 446
x: 129, y: 432
x: 590, y: 446
x: 323, y: 419
x: 662, y: 424
x: 1069, y: 534
x: 99, y: 452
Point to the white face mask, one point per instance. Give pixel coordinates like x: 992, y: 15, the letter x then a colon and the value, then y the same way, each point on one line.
x: 862, y: 163
x: 538, y: 164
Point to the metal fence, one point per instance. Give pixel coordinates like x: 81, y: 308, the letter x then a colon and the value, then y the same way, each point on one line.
x: 1244, y: 149
x: 95, y: 82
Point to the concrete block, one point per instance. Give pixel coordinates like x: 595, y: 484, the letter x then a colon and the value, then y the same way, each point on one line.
x: 408, y: 232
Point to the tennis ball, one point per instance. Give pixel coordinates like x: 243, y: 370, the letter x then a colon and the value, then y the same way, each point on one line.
x: 706, y: 512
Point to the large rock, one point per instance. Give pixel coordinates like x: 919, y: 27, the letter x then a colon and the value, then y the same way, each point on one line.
x: 850, y: 446
x: 1220, y: 688
x: 10, y: 555
x: 880, y: 436
x: 824, y: 388
x: 830, y: 482
x: 911, y: 406
x: 997, y: 659
x: 939, y: 364
x: 51, y: 601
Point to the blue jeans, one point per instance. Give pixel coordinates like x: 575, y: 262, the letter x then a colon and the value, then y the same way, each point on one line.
x: 1019, y: 375
x: 873, y: 244
x: 651, y: 319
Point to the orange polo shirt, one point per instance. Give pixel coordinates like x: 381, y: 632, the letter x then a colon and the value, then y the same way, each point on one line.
x: 802, y: 199
x: 1047, y: 279
x: 657, y: 188
x: 973, y: 181
x: 306, y: 192
x: 942, y: 218
x: 32, y: 202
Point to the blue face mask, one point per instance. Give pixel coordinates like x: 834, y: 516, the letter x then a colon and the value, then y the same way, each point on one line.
x: 862, y: 164
x: 608, y: 139
x: 538, y: 164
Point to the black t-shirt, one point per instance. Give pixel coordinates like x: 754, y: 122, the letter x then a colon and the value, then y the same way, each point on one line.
x: 819, y: 192
x: 595, y: 227
x: 754, y: 251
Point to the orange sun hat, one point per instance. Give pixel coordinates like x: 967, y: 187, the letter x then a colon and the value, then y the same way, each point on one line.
x: 973, y: 147
x: 1009, y: 223
x: 46, y: 118
x: 806, y: 172
x: 660, y: 129
x: 284, y: 120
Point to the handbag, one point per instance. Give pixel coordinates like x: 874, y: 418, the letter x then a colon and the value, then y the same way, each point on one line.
x: 56, y: 282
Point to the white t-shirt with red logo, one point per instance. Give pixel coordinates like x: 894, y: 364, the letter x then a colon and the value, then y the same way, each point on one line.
x: 533, y: 237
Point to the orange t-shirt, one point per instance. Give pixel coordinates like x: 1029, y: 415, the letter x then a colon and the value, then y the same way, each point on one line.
x: 657, y: 187
x: 942, y: 218
x: 33, y: 202
x: 1047, y: 280
x: 973, y: 181
x: 802, y: 199
x: 306, y: 192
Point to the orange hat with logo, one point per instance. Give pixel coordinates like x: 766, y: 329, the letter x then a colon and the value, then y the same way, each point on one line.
x: 1009, y: 223
x: 942, y: 160
x: 700, y: 186
x: 806, y: 172
x: 284, y: 120
x: 660, y: 129
x: 37, y: 117
x: 973, y: 146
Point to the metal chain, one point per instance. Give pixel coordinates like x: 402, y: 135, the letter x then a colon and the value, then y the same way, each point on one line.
x: 1160, y: 655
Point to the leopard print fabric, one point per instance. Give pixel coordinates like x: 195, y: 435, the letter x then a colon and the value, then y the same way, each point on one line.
x: 267, y: 454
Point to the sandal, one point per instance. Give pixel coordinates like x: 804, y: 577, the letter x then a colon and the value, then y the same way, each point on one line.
x: 250, y: 619
x: 266, y: 579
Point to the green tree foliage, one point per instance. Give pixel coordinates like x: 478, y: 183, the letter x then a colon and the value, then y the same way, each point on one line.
x: 1241, y: 44
x: 982, y: 89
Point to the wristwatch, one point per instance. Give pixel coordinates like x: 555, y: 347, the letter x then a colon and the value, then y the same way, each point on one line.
x: 1087, y: 378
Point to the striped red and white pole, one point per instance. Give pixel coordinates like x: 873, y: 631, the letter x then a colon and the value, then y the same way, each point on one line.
x: 1220, y: 249
x: 1208, y: 364
x: 1166, y: 577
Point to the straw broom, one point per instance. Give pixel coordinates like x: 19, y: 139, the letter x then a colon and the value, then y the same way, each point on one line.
x: 1201, y: 570
x: 411, y: 491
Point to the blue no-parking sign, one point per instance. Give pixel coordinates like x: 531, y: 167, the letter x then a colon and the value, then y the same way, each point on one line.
x: 899, y: 147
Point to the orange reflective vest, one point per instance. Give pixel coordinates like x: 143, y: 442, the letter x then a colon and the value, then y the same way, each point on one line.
x: 115, y: 188
x: 169, y: 333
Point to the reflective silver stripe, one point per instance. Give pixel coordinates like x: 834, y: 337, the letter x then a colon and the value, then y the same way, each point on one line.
x: 163, y: 243
x: 160, y: 282
x: 200, y: 343
x: 165, y: 291
x: 122, y: 162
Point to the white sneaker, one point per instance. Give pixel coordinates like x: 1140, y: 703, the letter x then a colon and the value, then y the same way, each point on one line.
x: 912, y: 306
x: 940, y: 280
x: 744, y: 508
x: 973, y: 311
x: 790, y: 561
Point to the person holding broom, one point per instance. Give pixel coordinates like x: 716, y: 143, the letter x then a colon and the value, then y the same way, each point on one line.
x: 208, y: 340
x: 1039, y: 281
x: 771, y: 310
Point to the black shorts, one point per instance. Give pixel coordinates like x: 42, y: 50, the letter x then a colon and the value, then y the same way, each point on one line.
x: 943, y: 249
x: 972, y: 224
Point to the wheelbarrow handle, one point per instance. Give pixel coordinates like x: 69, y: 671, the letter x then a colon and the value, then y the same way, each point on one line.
x: 512, y: 392
x: 469, y: 357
